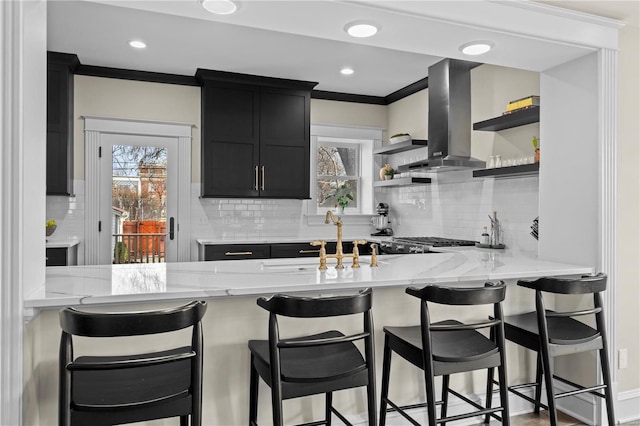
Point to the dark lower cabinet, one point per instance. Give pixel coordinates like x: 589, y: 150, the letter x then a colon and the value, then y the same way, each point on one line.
x: 236, y: 251
x: 255, y: 136
x: 273, y: 251
x: 284, y: 250
x: 60, y: 71
x: 62, y: 256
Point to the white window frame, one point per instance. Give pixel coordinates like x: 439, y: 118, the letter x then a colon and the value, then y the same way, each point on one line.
x: 349, y: 144
x: 367, y: 138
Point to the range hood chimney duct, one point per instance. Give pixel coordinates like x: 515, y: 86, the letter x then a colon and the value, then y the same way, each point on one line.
x: 449, y: 127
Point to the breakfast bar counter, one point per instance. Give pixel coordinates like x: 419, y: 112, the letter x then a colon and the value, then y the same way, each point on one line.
x: 233, y: 317
x: 108, y: 284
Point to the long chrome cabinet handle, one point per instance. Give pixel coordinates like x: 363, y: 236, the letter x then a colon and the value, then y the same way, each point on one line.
x: 262, y: 178
x: 238, y: 253
x: 308, y: 251
x: 256, y: 174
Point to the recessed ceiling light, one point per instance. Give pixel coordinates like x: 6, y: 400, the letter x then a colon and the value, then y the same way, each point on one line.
x: 138, y: 44
x: 476, y: 47
x: 346, y: 71
x: 361, y: 29
x: 219, y: 7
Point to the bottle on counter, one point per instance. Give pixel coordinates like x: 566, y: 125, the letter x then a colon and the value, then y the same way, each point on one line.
x: 484, y: 238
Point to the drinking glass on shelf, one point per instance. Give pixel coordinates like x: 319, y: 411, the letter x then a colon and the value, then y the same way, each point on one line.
x: 492, y: 162
x: 498, y: 161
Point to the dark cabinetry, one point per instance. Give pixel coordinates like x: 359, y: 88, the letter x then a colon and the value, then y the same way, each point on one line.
x: 236, y: 251
x: 273, y: 251
x: 62, y: 256
x: 255, y: 136
x: 60, y: 69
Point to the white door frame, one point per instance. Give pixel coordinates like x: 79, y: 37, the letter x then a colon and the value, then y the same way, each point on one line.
x: 94, y: 129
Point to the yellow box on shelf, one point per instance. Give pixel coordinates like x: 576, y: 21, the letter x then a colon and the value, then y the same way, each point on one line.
x: 524, y: 102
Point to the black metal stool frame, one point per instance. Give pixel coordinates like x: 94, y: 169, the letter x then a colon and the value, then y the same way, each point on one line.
x: 110, y: 390
x: 552, y: 334
x: 488, y: 353
x: 336, y: 363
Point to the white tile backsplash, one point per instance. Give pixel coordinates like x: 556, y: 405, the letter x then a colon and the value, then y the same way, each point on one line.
x: 455, y: 205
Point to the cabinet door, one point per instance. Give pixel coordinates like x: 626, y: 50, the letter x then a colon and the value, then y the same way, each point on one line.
x: 56, y: 256
x: 236, y: 251
x: 230, y: 140
x: 60, y: 123
x: 284, y: 143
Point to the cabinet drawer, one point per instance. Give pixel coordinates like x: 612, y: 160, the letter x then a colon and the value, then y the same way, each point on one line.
x: 236, y: 251
x: 282, y: 250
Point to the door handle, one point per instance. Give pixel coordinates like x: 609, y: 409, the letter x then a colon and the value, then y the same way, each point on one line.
x: 262, y: 178
x: 256, y: 174
x: 171, y: 226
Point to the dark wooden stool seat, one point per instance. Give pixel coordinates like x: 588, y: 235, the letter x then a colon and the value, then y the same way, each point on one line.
x: 552, y: 333
x: 110, y: 390
x: 448, y: 347
x: 319, y: 363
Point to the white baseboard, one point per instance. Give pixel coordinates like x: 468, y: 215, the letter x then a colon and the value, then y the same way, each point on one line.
x: 628, y: 407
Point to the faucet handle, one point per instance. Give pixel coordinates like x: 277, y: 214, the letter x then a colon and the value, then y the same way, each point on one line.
x: 374, y: 257
x: 323, y: 253
x: 318, y: 243
x: 356, y: 242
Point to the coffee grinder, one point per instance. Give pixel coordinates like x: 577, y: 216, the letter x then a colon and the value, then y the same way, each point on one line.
x: 382, y: 222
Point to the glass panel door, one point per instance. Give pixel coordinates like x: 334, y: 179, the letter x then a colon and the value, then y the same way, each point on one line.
x: 139, y: 201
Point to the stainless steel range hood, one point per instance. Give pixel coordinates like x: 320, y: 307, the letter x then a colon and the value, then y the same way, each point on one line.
x: 449, y: 128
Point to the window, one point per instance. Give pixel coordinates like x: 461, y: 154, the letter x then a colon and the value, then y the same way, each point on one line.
x: 337, y: 173
x: 342, y: 164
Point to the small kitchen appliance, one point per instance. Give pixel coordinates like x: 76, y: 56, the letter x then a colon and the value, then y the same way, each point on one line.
x: 382, y: 222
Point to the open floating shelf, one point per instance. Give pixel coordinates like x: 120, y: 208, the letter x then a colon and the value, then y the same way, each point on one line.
x: 402, y: 182
x: 400, y: 147
x: 511, y: 171
x: 507, y: 121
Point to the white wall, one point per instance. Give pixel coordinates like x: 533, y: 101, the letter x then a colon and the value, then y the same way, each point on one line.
x: 22, y: 185
x: 628, y: 209
x: 569, y: 163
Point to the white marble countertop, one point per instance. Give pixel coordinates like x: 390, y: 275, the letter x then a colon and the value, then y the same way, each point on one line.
x: 107, y: 284
x: 65, y: 243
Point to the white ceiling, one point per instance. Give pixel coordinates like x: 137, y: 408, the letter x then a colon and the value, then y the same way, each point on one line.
x: 302, y: 40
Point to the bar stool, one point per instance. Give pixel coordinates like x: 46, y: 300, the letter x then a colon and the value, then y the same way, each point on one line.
x: 448, y: 347
x: 317, y: 363
x: 110, y: 390
x: 552, y: 334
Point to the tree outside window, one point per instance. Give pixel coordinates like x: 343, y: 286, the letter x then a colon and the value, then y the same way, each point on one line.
x: 338, y: 172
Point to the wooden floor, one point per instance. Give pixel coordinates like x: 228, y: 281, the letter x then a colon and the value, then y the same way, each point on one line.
x: 543, y: 419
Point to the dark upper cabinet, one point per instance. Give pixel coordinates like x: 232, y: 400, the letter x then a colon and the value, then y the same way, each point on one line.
x: 284, y: 143
x: 60, y: 69
x: 230, y: 140
x: 255, y: 136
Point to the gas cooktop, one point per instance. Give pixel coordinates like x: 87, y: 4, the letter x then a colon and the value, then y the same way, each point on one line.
x: 400, y: 245
x: 435, y: 241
